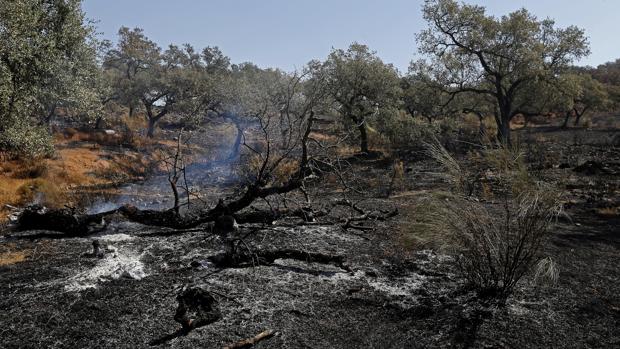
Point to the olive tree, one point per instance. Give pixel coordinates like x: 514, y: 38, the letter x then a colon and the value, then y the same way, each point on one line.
x: 362, y: 86
x: 472, y: 52
x: 609, y: 75
x: 47, y: 59
x: 588, y: 95
x: 178, y: 80
x: 423, y: 96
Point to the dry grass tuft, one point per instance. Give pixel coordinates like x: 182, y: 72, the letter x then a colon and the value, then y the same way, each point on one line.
x: 31, y: 168
x: 547, y: 271
x: 608, y: 211
x: 13, y: 257
x: 495, y: 245
x: 496, y: 249
x: 124, y: 167
x: 452, y: 170
x: 42, y: 191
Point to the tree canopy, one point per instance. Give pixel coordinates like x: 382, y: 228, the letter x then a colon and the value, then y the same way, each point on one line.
x: 505, y: 58
x: 47, y: 59
x: 361, y: 85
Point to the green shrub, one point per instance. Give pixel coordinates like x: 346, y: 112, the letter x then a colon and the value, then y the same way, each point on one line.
x: 27, y: 141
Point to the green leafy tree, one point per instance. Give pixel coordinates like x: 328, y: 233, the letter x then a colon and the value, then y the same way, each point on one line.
x: 176, y: 81
x: 504, y: 58
x: 424, y: 96
x: 47, y: 59
x: 362, y: 86
x: 588, y: 95
x: 609, y: 75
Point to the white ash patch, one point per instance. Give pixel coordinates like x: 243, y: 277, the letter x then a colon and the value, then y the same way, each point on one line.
x: 116, y: 237
x: 398, y: 287
x: 116, y: 264
x: 357, y: 275
x: 518, y: 309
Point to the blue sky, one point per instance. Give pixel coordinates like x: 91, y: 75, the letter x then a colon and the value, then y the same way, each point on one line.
x: 289, y: 33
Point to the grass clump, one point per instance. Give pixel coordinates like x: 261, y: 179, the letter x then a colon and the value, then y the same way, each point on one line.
x: 496, y: 243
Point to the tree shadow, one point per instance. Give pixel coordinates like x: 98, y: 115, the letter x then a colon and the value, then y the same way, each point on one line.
x: 178, y: 333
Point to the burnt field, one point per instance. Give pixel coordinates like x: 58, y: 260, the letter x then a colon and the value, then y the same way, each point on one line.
x: 160, y: 194
x: 360, y: 273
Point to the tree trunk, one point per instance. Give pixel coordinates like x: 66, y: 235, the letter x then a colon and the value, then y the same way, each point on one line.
x: 49, y: 119
x: 150, y: 133
x: 503, y: 132
x: 175, y: 193
x: 363, y: 137
x: 98, y: 122
x: 578, y: 116
x: 482, y: 131
x: 566, y: 118
x: 503, y: 125
x: 235, y: 148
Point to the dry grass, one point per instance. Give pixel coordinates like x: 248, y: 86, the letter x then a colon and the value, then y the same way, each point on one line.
x: 285, y: 170
x: 135, y: 123
x: 124, y: 167
x: 496, y: 245
x: 14, y: 257
x: 415, y: 224
x: 608, y: 211
x: 50, y: 181
x: 452, y: 170
x: 496, y: 249
x: 42, y: 191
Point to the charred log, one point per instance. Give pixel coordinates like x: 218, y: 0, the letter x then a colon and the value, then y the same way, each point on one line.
x: 196, y: 308
x: 240, y: 258
x: 65, y: 220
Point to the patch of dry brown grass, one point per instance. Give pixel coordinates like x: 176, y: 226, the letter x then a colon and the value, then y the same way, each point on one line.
x: 50, y: 181
x: 13, y: 257
x: 135, y: 123
x: 124, y: 167
x: 608, y: 211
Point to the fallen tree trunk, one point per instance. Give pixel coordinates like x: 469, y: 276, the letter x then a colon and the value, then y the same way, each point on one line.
x: 65, y: 220
x: 244, y: 256
x: 69, y: 222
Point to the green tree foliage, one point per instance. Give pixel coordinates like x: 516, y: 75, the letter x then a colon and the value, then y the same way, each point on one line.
x: 609, y: 75
x: 47, y: 60
x: 586, y: 95
x: 362, y: 86
x: 423, y: 96
x: 178, y: 80
x: 505, y: 58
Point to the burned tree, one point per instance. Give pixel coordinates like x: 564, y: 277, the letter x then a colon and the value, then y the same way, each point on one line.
x: 278, y: 155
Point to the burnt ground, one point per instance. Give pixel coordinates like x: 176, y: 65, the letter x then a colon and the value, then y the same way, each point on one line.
x: 375, y: 292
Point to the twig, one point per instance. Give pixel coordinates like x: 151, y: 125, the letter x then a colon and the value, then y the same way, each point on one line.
x: 246, y: 343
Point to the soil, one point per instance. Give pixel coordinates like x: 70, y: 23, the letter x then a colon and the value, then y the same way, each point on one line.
x: 340, y: 288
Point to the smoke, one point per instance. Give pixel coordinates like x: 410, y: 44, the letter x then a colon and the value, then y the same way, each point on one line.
x: 213, y: 171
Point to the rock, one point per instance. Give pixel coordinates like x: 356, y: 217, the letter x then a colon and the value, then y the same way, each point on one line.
x: 196, y: 308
